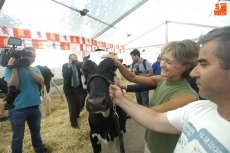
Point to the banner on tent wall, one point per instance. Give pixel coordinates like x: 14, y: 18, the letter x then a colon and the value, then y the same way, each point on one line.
x: 3, y: 41
x: 53, y: 41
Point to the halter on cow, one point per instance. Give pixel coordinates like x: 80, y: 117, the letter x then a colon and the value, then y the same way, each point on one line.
x: 104, y: 118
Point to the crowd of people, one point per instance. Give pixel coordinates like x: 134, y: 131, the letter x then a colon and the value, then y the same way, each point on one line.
x: 172, y: 90
x: 201, y: 125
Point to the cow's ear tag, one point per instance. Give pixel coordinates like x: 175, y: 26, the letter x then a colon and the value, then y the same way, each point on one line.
x: 96, y: 56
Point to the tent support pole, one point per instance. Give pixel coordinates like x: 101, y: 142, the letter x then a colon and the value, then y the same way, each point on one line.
x: 166, y: 31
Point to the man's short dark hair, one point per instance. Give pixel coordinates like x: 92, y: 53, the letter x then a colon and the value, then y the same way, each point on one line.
x: 135, y: 52
x: 71, y: 55
x: 223, y: 49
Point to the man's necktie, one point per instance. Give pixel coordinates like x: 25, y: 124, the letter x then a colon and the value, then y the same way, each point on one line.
x: 75, y: 78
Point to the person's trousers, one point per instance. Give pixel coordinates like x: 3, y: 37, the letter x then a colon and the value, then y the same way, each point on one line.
x: 143, y: 98
x: 18, y: 117
x: 74, y: 103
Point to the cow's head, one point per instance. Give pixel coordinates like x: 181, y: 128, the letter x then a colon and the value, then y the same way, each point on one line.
x: 99, y: 75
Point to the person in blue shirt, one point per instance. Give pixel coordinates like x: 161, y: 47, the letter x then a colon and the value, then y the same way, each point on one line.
x: 26, y: 103
x: 156, y: 66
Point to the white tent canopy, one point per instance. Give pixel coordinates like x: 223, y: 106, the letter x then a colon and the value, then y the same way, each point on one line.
x: 142, y: 24
x: 132, y: 23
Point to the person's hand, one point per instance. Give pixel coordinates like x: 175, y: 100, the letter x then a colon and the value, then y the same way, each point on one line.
x: 70, y: 63
x: 115, y: 94
x: 11, y: 61
x: 28, y: 68
x: 108, y: 56
x: 2, y: 101
x: 116, y: 80
x: 112, y: 57
x: 122, y: 86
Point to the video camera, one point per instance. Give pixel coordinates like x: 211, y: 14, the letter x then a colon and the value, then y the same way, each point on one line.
x: 17, y: 54
x: 10, y: 97
x: 137, y: 71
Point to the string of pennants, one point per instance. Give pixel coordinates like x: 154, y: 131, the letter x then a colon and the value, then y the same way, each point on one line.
x: 51, y: 41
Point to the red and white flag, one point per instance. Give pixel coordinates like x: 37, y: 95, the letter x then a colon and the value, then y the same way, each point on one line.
x: 38, y: 35
x: 51, y: 45
x: 64, y: 38
x: 4, y: 31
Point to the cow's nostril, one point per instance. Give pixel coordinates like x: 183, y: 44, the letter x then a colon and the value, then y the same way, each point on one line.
x: 103, y: 102
x: 89, y: 104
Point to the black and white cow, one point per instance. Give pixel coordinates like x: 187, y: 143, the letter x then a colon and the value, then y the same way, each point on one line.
x: 47, y: 75
x: 100, y: 106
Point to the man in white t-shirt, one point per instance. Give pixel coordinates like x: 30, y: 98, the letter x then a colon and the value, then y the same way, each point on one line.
x: 204, y: 125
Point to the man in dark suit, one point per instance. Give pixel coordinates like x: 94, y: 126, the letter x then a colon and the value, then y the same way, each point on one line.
x: 72, y: 88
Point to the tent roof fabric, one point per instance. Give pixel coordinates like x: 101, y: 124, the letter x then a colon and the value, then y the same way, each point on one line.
x: 133, y: 23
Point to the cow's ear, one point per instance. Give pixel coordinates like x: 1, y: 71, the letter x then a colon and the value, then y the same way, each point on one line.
x: 114, y: 68
x: 85, y: 74
x: 121, y: 60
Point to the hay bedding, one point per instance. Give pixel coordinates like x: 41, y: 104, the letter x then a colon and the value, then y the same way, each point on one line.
x: 56, y: 131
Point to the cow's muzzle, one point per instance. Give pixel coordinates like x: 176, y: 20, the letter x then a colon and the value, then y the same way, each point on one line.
x: 99, y: 103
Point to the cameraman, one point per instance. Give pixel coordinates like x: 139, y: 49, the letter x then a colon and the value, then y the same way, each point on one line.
x: 26, y: 103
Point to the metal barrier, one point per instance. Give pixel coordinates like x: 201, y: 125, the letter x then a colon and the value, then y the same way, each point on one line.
x: 55, y: 83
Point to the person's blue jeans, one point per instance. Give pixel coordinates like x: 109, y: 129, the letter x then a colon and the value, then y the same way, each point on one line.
x: 18, y: 117
x: 143, y: 98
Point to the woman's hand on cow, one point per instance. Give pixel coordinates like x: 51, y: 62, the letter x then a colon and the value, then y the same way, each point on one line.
x: 112, y: 57
x: 108, y: 56
x: 116, y: 94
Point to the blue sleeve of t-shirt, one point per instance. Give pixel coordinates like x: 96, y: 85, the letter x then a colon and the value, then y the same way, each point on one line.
x: 8, y: 74
x: 153, y: 66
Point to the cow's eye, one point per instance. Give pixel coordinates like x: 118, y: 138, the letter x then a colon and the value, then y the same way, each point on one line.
x: 85, y: 71
x: 110, y: 70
